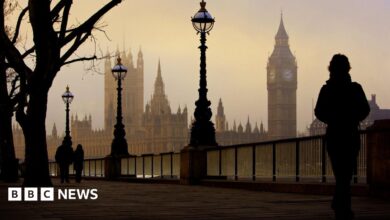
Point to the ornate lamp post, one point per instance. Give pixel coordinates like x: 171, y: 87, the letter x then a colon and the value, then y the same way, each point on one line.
x: 67, y: 97
x: 203, y: 132
x: 119, y: 144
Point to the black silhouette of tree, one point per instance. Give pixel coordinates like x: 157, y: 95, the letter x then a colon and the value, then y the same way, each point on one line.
x: 54, y: 43
x: 8, y: 164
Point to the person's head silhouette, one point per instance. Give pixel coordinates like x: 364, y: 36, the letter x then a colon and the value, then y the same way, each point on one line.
x: 339, y: 66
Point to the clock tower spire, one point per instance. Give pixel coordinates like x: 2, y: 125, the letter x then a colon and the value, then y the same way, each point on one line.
x: 282, y: 87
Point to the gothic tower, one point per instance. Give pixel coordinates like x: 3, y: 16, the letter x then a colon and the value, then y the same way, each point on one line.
x: 159, y: 103
x: 220, y: 119
x: 282, y: 87
x: 132, y: 93
x: 109, y: 94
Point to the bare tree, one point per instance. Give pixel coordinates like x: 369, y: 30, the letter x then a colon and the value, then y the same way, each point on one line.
x: 8, y: 162
x: 54, y: 43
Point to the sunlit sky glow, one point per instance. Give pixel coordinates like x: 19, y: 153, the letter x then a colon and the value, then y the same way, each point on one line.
x: 239, y: 46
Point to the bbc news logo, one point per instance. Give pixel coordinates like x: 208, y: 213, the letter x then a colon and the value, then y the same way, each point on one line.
x: 47, y: 194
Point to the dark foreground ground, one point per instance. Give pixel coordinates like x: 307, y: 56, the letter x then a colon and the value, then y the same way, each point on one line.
x: 121, y: 200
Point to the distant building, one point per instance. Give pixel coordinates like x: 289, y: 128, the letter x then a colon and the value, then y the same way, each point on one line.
x: 282, y: 87
x: 53, y: 141
x: 318, y: 128
x: 154, y: 130
x: 236, y: 135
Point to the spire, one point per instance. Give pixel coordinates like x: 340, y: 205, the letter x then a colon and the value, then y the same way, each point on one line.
x: 220, y: 110
x: 281, y: 48
x: 54, y: 131
x: 159, y: 103
x: 159, y: 84
x: 256, y: 130
x: 248, y: 127
x: 262, y: 128
x: 179, y: 110
x: 140, y: 54
x: 281, y: 34
x: 159, y: 68
x: 140, y: 60
x: 130, y: 58
x: 240, y: 128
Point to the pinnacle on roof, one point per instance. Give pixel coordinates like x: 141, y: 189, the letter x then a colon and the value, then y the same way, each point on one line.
x: 220, y: 110
x: 281, y: 34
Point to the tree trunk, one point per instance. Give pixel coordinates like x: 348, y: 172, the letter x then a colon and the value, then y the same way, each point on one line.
x: 8, y: 162
x: 36, y: 158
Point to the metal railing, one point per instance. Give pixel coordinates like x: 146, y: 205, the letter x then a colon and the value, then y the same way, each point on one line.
x: 93, y: 167
x: 299, y: 159
x: 165, y: 165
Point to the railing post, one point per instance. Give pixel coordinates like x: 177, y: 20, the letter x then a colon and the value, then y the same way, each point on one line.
x: 135, y: 166
x: 171, y: 165
x: 89, y: 167
x: 152, y: 166
x: 274, y: 162
x: 161, y: 166
x: 254, y: 162
x: 128, y: 165
x: 143, y: 166
x: 323, y: 160
x: 220, y: 162
x: 101, y: 168
x: 235, y: 164
x: 297, y: 160
x: 95, y: 168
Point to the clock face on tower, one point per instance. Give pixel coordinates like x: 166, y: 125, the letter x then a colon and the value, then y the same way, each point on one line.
x: 287, y: 75
x: 272, y: 75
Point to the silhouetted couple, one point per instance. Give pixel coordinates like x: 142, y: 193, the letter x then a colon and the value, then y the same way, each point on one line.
x: 342, y: 105
x: 65, y: 156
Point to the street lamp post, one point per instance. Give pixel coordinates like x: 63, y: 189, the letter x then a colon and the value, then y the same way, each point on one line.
x: 119, y: 144
x: 203, y: 131
x: 67, y: 97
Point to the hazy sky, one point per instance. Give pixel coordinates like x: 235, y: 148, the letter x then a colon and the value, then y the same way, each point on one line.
x: 239, y: 46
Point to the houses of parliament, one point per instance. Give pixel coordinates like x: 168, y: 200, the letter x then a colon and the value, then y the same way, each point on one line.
x: 154, y: 127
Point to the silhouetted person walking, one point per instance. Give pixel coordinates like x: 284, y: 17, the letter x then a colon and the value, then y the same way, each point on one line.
x: 64, y: 157
x: 78, y: 161
x: 342, y: 105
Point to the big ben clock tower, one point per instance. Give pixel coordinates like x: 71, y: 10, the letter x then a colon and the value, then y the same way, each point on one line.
x: 282, y: 87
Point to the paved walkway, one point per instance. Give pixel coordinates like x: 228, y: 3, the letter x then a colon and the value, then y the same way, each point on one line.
x: 121, y: 200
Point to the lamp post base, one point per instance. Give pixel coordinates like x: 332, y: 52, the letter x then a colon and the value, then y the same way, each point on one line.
x: 193, y: 164
x: 112, y: 167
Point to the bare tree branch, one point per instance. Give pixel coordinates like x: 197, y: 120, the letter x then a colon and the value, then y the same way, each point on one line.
x: 13, y: 86
x: 18, y: 24
x: 28, y: 52
x: 57, y: 9
x: 65, y: 17
x: 77, y: 42
x: 88, y: 25
x: 81, y: 59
